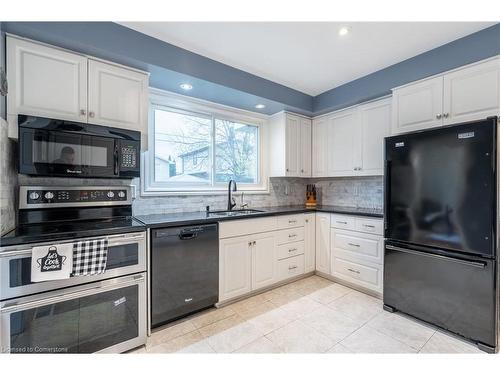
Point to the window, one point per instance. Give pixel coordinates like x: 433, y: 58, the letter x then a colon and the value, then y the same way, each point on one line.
x: 198, y: 150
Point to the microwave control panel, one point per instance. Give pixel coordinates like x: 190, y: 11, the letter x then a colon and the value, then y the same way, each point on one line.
x: 129, y: 157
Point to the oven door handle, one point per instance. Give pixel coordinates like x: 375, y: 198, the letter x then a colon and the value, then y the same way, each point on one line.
x: 102, y: 287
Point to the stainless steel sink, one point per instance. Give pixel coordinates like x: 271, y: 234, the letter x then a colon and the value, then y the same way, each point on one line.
x: 233, y: 213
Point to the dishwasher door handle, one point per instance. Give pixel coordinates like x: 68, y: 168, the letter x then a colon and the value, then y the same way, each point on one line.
x: 189, y: 234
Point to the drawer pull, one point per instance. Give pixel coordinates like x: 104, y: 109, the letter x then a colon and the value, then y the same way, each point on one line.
x: 353, y: 244
x: 292, y: 235
x: 292, y: 221
x: 369, y: 226
x: 294, y: 249
x: 354, y: 271
x: 341, y: 222
x: 291, y: 268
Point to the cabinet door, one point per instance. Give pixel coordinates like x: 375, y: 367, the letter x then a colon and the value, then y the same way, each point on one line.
x: 343, y: 143
x: 305, y: 147
x: 472, y: 93
x: 292, y: 144
x: 417, y: 106
x: 320, y: 147
x: 235, y: 264
x: 310, y: 242
x: 323, y: 242
x: 375, y: 125
x: 117, y: 96
x: 45, y: 81
x: 264, y: 261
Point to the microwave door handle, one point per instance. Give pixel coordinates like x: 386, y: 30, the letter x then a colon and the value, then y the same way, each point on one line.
x: 116, y: 159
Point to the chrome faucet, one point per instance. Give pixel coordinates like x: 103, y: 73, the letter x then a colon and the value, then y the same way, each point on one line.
x: 230, y: 200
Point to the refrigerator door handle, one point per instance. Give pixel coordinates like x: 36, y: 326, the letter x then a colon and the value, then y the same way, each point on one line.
x: 387, y: 192
x: 436, y: 256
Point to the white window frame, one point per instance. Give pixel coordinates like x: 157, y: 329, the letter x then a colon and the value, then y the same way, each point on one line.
x: 183, y: 104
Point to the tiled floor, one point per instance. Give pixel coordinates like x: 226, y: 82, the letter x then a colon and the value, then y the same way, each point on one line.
x: 312, y: 315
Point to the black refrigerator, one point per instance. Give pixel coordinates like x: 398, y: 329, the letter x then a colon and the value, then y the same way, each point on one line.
x: 440, y: 228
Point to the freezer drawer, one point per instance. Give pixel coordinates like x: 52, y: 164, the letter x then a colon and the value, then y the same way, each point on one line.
x: 455, y: 293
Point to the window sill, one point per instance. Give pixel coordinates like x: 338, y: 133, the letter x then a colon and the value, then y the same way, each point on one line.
x: 165, y: 193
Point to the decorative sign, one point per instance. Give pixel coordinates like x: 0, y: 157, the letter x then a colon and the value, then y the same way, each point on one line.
x: 53, y: 262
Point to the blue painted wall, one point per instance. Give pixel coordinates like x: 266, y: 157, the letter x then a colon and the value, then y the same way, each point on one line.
x: 466, y: 50
x: 169, y: 65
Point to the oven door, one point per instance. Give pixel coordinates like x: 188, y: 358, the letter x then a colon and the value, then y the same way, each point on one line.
x: 106, y: 316
x: 126, y: 255
x: 70, y: 154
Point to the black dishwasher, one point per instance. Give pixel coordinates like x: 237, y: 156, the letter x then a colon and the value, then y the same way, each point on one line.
x: 184, y: 271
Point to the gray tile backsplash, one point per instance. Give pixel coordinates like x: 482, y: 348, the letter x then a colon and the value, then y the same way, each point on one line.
x: 8, y: 180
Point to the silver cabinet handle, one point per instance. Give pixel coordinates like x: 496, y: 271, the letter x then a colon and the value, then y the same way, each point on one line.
x: 446, y: 115
x: 341, y: 222
x: 292, y: 235
x: 250, y: 243
x: 369, y: 226
x: 292, y: 268
x: 294, y: 249
x: 354, y: 271
x: 91, y: 114
x: 438, y: 116
x: 254, y: 242
x: 83, y: 112
x: 292, y: 221
x: 288, y: 170
x: 353, y: 244
x: 307, y: 220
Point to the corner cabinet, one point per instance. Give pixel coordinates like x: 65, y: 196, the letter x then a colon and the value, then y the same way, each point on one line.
x: 323, y: 242
x: 465, y: 94
x: 290, y: 150
x: 351, y: 142
x: 51, y: 82
x: 309, y: 242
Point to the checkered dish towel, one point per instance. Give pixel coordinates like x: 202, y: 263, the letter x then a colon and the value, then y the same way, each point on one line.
x: 90, y: 257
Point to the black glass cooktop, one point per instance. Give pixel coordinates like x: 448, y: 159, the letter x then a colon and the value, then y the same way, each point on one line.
x: 55, y: 231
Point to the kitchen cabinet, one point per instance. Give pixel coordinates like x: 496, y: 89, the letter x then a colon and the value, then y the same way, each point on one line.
x: 323, y: 242
x: 235, y: 265
x: 264, y: 266
x: 464, y: 94
x: 117, y: 96
x: 310, y: 242
x: 351, y: 142
x: 290, y: 140
x: 47, y: 81
x: 319, y: 147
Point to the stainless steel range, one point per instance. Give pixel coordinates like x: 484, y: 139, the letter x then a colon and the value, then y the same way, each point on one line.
x: 104, y: 312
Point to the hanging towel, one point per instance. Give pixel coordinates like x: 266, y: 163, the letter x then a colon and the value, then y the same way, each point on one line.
x: 90, y: 257
x: 53, y: 262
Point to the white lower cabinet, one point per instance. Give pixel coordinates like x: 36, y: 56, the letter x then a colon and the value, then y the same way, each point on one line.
x: 235, y: 265
x: 263, y: 260
x: 323, y: 242
x: 257, y: 253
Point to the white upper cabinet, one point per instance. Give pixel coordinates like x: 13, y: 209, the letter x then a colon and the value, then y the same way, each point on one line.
x: 465, y: 94
x: 117, y: 96
x: 45, y: 82
x: 472, y: 93
x: 375, y: 125
x: 343, y: 143
x: 319, y: 147
x: 417, y: 106
x: 290, y: 146
x: 351, y: 142
x: 50, y: 82
x: 305, y: 147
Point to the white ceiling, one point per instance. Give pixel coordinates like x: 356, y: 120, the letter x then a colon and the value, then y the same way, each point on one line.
x: 308, y: 56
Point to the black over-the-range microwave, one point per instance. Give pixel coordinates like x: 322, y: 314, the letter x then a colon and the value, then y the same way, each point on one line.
x: 50, y: 147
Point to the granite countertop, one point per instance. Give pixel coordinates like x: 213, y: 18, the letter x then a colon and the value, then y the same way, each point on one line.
x: 200, y: 217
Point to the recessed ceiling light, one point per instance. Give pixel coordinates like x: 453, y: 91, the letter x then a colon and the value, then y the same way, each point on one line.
x: 343, y: 31
x: 186, y: 86
x: 260, y: 106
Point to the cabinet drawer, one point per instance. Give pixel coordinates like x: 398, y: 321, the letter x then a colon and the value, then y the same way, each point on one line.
x: 366, y: 247
x: 289, y: 235
x: 367, y: 275
x: 290, y: 249
x: 290, y: 267
x: 343, y: 222
x: 290, y: 221
x: 370, y: 226
x: 243, y: 227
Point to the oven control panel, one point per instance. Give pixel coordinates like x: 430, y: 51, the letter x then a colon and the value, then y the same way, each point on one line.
x: 32, y: 197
